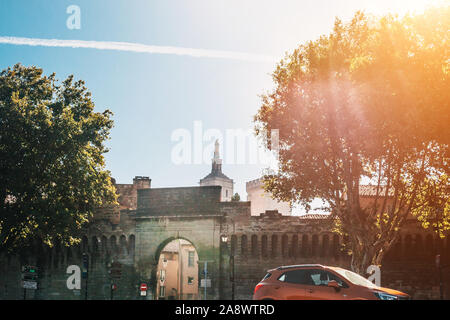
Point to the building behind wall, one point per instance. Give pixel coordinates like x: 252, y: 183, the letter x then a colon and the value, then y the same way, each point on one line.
x: 217, y: 178
x: 177, y: 276
x: 262, y: 201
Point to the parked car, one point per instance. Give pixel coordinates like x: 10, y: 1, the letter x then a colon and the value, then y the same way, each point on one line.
x: 318, y: 282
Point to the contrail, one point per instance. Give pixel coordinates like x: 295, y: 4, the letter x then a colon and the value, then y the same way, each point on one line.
x: 138, y: 47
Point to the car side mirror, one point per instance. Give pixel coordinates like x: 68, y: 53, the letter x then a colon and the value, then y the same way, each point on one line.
x: 334, y: 284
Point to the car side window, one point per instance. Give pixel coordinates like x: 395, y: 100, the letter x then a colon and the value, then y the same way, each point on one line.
x: 341, y: 282
x: 297, y: 277
x: 311, y: 277
x: 321, y: 278
x: 318, y: 278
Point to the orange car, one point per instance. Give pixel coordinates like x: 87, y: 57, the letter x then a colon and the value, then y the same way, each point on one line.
x: 317, y: 282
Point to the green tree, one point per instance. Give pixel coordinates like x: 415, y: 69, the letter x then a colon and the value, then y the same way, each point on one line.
x: 236, y: 197
x: 367, y: 104
x: 52, y: 173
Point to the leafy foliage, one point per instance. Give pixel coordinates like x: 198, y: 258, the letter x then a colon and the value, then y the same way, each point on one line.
x: 52, y: 172
x: 367, y: 104
x: 236, y: 197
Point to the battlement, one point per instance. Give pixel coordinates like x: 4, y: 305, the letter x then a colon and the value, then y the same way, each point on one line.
x: 257, y: 183
x: 142, y: 182
x: 179, y: 201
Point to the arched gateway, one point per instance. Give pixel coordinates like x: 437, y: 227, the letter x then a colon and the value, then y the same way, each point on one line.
x: 192, y: 214
x: 177, y: 274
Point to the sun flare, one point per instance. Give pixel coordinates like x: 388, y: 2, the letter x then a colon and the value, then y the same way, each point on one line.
x: 416, y: 6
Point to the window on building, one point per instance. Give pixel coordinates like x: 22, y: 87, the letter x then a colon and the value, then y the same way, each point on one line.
x: 162, y: 275
x: 190, y: 280
x: 162, y: 291
x: 226, y: 193
x: 191, y: 258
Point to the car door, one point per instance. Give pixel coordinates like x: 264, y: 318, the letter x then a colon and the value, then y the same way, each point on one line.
x: 292, y: 285
x: 318, y: 289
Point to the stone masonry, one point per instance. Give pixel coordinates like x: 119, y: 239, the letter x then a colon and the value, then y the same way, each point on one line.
x: 135, y: 232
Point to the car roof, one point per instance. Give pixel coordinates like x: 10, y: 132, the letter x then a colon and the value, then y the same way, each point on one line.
x: 298, y: 266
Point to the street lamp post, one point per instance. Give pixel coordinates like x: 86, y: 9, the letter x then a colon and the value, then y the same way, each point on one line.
x: 232, y: 274
x: 223, y: 254
x: 232, y: 249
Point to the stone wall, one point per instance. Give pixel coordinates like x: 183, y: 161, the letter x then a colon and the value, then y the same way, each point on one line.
x: 179, y: 201
x: 262, y: 243
x: 255, y: 244
x: 52, y: 264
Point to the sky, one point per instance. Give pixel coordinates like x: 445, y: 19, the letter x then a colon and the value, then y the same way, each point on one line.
x: 154, y: 90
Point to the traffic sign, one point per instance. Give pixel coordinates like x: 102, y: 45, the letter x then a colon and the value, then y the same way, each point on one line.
x: 29, y: 285
x: 29, y: 274
x: 143, y: 287
x: 29, y: 269
x: 205, y: 283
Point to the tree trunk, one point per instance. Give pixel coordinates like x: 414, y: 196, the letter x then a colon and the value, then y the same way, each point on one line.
x: 362, y: 257
x: 366, y: 255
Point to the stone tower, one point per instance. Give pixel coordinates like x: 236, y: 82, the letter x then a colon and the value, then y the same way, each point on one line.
x: 262, y: 201
x: 217, y: 178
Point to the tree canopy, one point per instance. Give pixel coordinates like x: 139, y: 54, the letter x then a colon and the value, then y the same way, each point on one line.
x: 236, y: 197
x: 367, y: 104
x: 52, y: 170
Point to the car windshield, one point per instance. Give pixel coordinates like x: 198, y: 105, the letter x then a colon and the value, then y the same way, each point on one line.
x: 355, y: 278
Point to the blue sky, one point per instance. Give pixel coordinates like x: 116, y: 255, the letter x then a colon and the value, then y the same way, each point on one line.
x: 152, y: 95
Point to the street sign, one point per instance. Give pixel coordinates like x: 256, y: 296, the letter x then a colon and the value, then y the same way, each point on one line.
x: 208, y: 283
x: 143, y: 289
x: 29, y: 269
x: 29, y: 277
x: 29, y: 285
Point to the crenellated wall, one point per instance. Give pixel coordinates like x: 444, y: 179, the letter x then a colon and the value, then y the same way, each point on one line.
x: 135, y: 233
x: 262, y: 243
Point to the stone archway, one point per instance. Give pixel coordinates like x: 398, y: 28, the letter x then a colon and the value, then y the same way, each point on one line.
x: 176, y: 273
